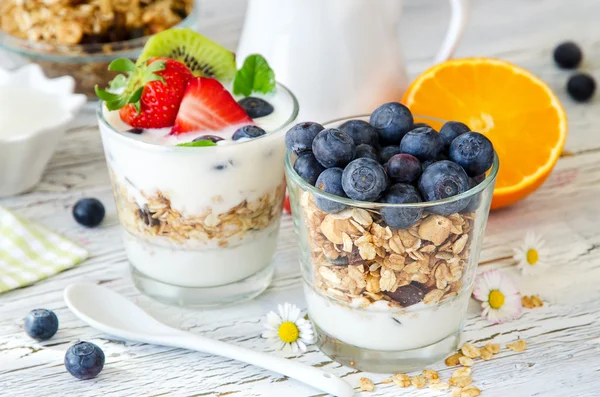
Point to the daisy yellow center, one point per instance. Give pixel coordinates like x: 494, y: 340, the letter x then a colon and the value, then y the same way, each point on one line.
x: 496, y: 299
x: 532, y: 256
x: 288, y: 332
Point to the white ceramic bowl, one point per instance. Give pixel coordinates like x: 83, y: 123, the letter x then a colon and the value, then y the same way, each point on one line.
x: 25, y: 153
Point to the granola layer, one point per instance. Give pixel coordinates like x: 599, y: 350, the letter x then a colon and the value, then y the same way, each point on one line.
x: 157, y: 218
x: 356, y: 255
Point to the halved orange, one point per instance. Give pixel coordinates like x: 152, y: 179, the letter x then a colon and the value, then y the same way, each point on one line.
x: 515, y: 109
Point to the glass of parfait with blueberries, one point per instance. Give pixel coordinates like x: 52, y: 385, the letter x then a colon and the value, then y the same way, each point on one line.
x: 390, y: 216
x: 195, y: 151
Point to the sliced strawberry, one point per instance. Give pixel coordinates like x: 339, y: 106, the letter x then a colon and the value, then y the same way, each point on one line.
x: 208, y: 106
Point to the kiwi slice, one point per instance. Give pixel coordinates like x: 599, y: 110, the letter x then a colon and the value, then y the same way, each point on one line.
x: 201, y: 55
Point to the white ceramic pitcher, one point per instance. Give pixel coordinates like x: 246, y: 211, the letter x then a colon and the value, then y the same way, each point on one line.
x: 340, y: 57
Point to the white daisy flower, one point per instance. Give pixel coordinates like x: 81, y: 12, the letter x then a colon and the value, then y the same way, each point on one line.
x: 288, y: 330
x: 532, y: 256
x: 500, y: 298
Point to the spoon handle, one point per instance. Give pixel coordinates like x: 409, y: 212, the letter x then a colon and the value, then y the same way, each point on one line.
x: 302, y: 372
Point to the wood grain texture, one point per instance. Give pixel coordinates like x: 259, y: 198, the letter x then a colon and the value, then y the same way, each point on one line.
x: 564, y: 335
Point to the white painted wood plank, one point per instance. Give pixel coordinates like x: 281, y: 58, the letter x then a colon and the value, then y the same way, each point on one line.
x: 563, y: 336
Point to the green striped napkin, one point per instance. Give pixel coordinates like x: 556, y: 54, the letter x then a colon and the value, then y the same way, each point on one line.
x: 30, y: 252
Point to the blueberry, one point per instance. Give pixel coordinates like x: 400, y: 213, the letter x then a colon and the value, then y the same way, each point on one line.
x: 479, y: 178
x: 401, y: 218
x: 403, y: 168
x: 330, y: 181
x: 581, y: 87
x: 307, y: 166
x: 419, y: 125
x: 361, y: 132
x: 451, y: 130
x: 88, y: 212
x: 366, y: 151
x: 441, y: 180
x: 136, y: 131
x: 364, y: 179
x: 41, y: 324
x: 300, y: 137
x: 212, y: 138
x: 568, y: 55
x: 388, y: 152
x: 426, y: 164
x: 84, y: 360
x: 391, y: 121
x: 256, y: 107
x: 475, y: 200
x: 333, y: 148
x: 472, y: 151
x: 248, y: 131
x: 423, y: 143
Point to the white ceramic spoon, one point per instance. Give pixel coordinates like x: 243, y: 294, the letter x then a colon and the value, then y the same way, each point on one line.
x: 116, y: 315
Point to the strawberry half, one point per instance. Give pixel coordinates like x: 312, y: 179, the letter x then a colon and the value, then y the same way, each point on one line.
x: 208, y: 106
x: 150, y: 93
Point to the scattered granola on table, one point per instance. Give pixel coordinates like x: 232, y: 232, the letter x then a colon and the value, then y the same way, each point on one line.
x: 366, y: 384
x: 517, y: 346
x: 532, y: 301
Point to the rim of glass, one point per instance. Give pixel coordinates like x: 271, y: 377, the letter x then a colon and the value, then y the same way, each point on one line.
x: 83, y: 52
x: 153, y: 146
x: 291, y: 173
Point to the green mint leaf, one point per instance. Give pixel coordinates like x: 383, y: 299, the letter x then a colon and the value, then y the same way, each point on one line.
x: 201, y: 142
x: 122, y: 65
x: 255, y: 76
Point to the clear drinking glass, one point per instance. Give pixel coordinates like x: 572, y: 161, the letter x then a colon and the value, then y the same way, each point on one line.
x: 200, y: 223
x: 383, y: 299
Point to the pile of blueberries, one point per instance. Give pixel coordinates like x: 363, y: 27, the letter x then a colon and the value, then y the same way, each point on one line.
x: 392, y: 160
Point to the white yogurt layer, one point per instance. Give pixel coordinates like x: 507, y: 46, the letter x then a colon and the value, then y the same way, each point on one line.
x: 380, y: 327
x: 281, y: 101
x: 203, y: 268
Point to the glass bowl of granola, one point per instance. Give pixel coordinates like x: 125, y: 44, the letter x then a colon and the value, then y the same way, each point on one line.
x: 81, y: 38
x: 387, y: 279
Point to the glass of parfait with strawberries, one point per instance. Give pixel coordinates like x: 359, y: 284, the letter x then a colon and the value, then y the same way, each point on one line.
x: 390, y: 216
x: 195, y: 152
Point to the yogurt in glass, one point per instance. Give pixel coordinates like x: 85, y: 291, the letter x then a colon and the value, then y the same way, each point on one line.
x: 200, y: 223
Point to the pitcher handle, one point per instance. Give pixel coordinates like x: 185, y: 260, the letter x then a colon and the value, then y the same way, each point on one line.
x: 458, y: 22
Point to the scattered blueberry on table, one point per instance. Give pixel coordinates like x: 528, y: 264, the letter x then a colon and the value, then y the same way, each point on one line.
x: 568, y: 55
x: 392, y: 160
x: 581, y: 87
x: 84, y: 360
x: 89, y: 212
x: 41, y: 324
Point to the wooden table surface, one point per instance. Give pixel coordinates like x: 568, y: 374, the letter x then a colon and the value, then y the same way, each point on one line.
x: 564, y: 336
